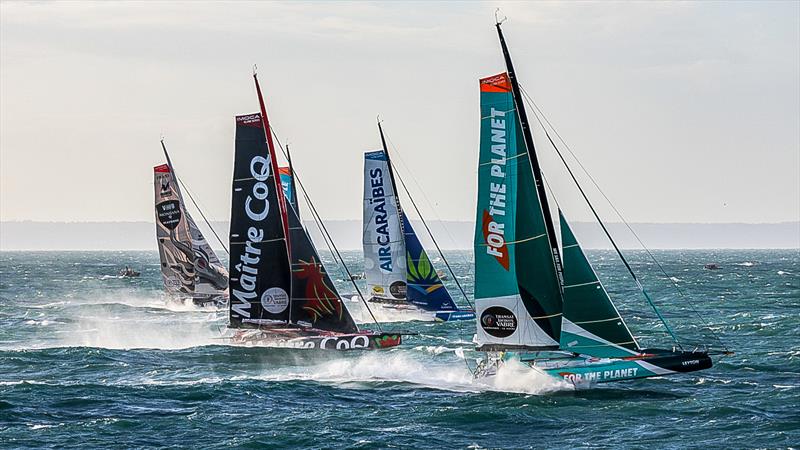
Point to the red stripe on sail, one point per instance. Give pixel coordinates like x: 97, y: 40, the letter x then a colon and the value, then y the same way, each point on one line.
x: 161, y: 169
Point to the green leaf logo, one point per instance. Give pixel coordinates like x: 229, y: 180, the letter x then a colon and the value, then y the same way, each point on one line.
x: 424, y: 267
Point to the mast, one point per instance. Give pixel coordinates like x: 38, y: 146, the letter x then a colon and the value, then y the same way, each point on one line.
x: 537, y: 171
x: 274, y: 167
x: 277, y: 183
x: 391, y: 174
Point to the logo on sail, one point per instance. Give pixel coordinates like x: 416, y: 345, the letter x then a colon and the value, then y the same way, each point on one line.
x: 498, y: 322
x: 275, y: 300
x: 271, y: 299
x: 169, y: 213
x: 166, y: 190
x: 380, y: 220
x: 494, y: 216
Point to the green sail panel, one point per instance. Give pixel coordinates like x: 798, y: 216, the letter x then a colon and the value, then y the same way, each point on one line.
x: 539, y: 285
x: 517, y: 294
x: 591, y: 323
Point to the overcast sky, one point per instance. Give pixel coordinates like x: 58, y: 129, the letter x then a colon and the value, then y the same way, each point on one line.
x: 683, y: 112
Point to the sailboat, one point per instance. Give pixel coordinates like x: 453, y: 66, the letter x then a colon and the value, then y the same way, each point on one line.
x: 397, y: 269
x: 189, y: 267
x: 540, y: 302
x: 281, y: 294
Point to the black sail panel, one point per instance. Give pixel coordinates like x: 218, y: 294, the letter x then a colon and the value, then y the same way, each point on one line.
x: 260, y: 279
x: 315, y: 301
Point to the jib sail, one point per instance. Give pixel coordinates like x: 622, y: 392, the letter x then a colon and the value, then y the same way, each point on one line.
x: 517, y: 289
x: 315, y: 300
x: 260, y: 283
x: 591, y: 323
x: 173, y: 236
x: 383, y: 241
x: 425, y: 289
x: 212, y: 277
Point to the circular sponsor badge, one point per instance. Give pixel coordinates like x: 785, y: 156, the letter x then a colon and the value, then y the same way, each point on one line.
x: 398, y: 289
x: 498, y: 322
x: 275, y: 300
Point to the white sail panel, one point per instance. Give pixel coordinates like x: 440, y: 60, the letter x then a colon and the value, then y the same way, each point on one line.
x: 384, y: 245
x: 505, y: 322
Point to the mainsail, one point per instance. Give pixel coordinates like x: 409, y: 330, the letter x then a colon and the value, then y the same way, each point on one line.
x: 172, y: 234
x: 259, y: 263
x: 592, y: 325
x: 517, y: 289
x: 189, y: 266
x: 383, y: 241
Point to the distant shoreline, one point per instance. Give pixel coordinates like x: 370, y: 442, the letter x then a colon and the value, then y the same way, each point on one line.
x: 451, y: 235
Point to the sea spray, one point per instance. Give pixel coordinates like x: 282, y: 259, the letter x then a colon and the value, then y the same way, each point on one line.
x: 369, y: 370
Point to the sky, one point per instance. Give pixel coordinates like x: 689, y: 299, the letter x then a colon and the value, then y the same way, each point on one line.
x: 681, y: 111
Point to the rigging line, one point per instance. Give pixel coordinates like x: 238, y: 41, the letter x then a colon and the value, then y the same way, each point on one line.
x: 324, y: 229
x: 558, y: 206
x: 175, y: 174
x: 189, y: 193
x: 425, y: 196
x: 436, y: 244
x: 608, y: 234
x: 627, y: 225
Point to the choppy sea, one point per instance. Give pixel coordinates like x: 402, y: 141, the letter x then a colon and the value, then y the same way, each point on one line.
x: 89, y: 359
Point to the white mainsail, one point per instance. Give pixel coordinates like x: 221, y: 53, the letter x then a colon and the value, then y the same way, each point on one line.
x: 383, y: 241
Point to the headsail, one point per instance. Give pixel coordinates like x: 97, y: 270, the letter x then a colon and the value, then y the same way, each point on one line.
x: 425, y: 289
x: 315, y: 300
x: 383, y: 241
x: 592, y: 325
x: 260, y: 282
x: 517, y: 290
x: 172, y: 233
x: 212, y: 277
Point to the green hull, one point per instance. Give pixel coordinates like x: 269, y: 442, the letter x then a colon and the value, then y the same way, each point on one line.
x: 583, y: 369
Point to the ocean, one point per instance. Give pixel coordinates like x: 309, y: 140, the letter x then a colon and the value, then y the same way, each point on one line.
x: 89, y: 359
